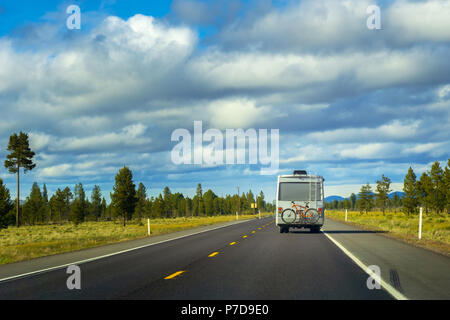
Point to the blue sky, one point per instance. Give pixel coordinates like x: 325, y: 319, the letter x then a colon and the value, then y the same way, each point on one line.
x: 16, y: 14
x: 350, y: 103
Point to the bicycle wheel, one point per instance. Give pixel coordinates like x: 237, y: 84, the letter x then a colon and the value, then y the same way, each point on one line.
x: 288, y: 216
x: 311, y: 216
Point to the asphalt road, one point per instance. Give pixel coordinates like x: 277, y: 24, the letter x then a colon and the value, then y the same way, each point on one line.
x: 244, y: 261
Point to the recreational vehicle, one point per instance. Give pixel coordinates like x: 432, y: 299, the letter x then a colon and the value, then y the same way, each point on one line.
x: 300, y: 202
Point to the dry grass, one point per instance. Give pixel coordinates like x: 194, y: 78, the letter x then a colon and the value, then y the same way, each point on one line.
x: 27, y: 242
x: 435, y: 228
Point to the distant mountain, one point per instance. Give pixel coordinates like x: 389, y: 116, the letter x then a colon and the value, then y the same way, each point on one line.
x: 332, y: 198
x: 339, y: 198
x: 400, y: 194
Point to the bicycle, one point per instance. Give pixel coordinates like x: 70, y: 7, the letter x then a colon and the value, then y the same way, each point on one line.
x: 306, y: 214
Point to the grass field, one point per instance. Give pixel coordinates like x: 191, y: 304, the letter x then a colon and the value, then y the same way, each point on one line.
x: 27, y: 242
x: 435, y: 228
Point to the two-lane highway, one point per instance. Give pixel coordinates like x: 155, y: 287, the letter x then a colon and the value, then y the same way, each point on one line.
x: 250, y: 260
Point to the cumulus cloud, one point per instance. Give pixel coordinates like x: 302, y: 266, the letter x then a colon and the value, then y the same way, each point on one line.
x: 326, y: 26
x: 420, y: 20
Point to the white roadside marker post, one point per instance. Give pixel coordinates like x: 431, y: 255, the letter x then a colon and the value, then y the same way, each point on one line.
x: 259, y: 211
x: 148, y: 226
x: 237, y: 217
x: 345, y: 214
x: 420, y: 223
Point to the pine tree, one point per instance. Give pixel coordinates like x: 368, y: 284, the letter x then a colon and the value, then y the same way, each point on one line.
x: 425, y: 191
x: 353, y: 200
x: 199, y: 206
x: 447, y: 185
x: 158, y: 207
x: 438, y: 198
x: 141, y: 195
x: 208, y: 200
x: 260, y: 202
x: 124, y: 195
x: 396, y: 202
x: 189, y: 211
x: 32, y: 208
x: 6, y: 205
x: 45, y: 205
x: 347, y: 203
x: 409, y: 199
x: 382, y: 192
x: 365, y: 198
x: 79, y: 206
x: 96, y: 203
x: 104, y: 207
x: 250, y: 201
x: 243, y: 204
x: 20, y: 156
x: 67, y: 197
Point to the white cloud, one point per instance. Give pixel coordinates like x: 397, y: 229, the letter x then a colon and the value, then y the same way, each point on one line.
x: 328, y: 25
x: 59, y: 170
x: 39, y: 141
x: 437, y: 148
x: 393, y: 131
x: 236, y: 113
x: 130, y: 136
x: 420, y: 20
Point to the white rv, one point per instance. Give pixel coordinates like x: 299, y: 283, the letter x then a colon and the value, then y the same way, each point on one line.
x: 300, y: 202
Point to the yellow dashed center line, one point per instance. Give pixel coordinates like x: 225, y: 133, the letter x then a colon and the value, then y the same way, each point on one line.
x: 173, y: 275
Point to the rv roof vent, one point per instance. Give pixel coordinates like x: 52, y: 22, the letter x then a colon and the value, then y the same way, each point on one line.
x: 300, y: 172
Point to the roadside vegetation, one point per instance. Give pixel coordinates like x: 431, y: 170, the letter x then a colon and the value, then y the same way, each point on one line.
x: 399, y: 216
x: 27, y: 242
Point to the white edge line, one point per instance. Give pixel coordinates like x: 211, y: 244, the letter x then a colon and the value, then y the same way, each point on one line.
x: 113, y: 254
x: 391, y: 290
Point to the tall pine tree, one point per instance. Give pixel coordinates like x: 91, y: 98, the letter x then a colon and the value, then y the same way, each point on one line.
x: 410, y: 199
x: 20, y: 156
x: 425, y: 191
x: 79, y: 206
x: 365, y: 198
x: 141, y: 195
x: 438, y: 198
x: 124, y: 194
x: 382, y: 192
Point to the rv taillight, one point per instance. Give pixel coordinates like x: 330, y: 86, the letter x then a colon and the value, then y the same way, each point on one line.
x: 280, y: 210
x: 320, y: 210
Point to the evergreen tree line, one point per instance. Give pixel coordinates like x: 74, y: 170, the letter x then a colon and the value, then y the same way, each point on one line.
x: 431, y: 191
x: 128, y: 202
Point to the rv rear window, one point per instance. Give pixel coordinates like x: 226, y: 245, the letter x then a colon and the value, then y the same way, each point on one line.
x: 299, y: 191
